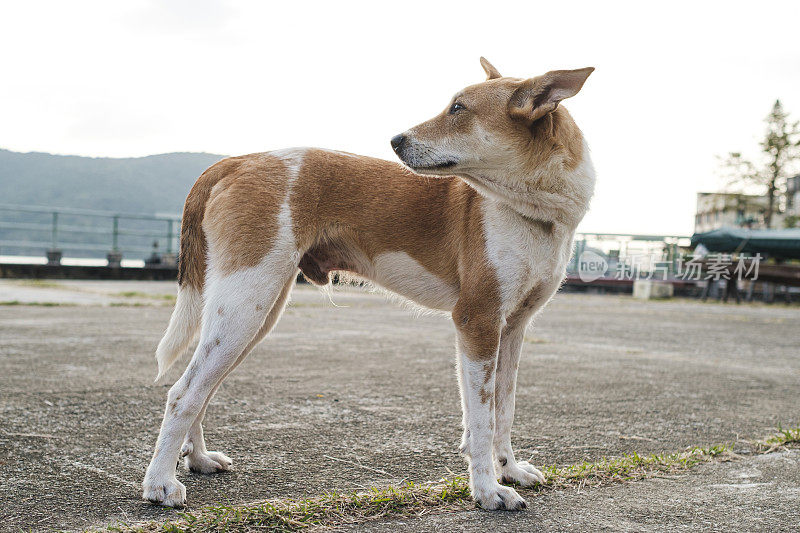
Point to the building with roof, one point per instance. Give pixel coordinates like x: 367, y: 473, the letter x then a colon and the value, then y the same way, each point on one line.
x: 721, y: 209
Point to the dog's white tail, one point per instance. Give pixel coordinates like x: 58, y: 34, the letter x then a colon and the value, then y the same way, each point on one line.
x: 182, y: 329
x: 188, y: 313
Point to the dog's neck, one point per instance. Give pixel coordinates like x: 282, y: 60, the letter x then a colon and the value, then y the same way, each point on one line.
x: 551, y: 195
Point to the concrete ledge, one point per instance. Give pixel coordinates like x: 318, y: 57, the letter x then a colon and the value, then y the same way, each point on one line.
x: 648, y: 289
x: 147, y: 273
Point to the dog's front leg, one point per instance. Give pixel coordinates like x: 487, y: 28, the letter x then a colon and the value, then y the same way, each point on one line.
x: 478, y: 339
x: 510, y: 470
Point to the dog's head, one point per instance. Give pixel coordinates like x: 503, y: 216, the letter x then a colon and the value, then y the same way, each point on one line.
x: 490, y: 127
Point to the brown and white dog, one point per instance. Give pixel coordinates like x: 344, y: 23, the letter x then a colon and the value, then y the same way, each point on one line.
x: 485, y: 235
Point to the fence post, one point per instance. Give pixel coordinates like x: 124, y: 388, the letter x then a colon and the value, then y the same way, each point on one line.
x: 579, y: 246
x: 55, y: 230
x: 115, y: 234
x: 54, y: 254
x: 675, y: 258
x: 169, y: 236
x: 114, y: 257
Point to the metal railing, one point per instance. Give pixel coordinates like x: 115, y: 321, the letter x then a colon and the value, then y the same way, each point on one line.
x: 82, y: 232
x: 74, y: 232
x: 619, y: 248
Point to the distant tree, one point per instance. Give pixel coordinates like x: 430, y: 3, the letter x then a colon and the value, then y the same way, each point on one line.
x: 780, y: 151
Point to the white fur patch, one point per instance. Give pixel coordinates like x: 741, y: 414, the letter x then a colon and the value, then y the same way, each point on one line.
x: 182, y: 328
x: 293, y: 159
x: 522, y: 255
x: 339, y: 152
x: 400, y: 273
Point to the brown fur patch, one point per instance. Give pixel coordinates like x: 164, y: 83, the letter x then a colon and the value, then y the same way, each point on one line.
x: 241, y: 217
x: 481, y: 333
x: 348, y: 209
x: 193, y: 246
x: 567, y: 137
x: 486, y: 395
x: 491, y: 71
x: 488, y: 372
x: 477, y: 313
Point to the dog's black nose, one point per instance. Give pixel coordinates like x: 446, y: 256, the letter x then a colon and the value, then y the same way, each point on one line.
x: 397, y: 142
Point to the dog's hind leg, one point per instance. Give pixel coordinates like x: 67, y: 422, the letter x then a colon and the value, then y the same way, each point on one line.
x: 196, y: 457
x: 232, y: 316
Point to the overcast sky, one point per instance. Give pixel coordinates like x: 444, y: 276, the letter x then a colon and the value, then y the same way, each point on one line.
x: 677, y: 83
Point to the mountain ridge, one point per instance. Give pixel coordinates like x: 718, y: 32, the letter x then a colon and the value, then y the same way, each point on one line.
x: 149, y: 184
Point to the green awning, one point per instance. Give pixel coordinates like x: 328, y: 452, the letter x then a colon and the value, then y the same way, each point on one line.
x: 783, y: 243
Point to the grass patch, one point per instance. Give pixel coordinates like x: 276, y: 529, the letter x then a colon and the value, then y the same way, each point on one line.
x: 147, y: 295
x: 329, y: 509
x: 782, y: 439
x: 447, y: 495
x: 39, y: 283
x: 37, y: 304
x: 630, y: 467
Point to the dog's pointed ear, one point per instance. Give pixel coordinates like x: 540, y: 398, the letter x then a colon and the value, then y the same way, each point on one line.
x: 491, y: 72
x: 537, y: 97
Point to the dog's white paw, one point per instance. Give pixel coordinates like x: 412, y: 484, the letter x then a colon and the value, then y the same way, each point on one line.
x: 208, y: 462
x: 169, y: 492
x: 496, y: 497
x: 522, y: 473
x: 525, y: 465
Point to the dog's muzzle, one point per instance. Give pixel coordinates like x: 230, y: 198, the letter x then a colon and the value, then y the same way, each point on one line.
x: 398, y: 142
x: 417, y: 156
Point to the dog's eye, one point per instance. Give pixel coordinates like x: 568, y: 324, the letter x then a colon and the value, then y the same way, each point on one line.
x: 456, y: 107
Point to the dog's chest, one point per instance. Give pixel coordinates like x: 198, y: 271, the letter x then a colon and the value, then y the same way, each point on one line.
x: 401, y: 274
x: 527, y: 256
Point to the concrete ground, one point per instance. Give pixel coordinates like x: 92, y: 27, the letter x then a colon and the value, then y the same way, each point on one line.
x: 363, y: 393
